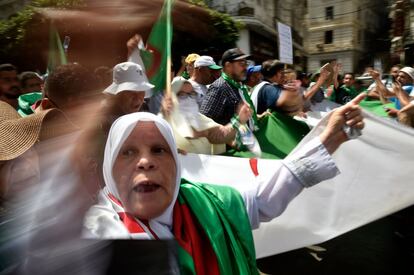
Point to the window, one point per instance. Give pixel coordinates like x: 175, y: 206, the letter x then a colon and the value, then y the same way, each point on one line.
x: 328, y: 37
x: 329, y: 15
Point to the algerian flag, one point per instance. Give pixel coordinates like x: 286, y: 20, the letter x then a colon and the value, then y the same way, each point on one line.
x: 57, y: 54
x: 376, y: 107
x: 158, y: 53
x: 375, y: 181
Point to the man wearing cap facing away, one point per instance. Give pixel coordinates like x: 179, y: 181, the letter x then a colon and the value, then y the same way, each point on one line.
x: 227, y: 93
x: 127, y: 92
x: 202, y: 76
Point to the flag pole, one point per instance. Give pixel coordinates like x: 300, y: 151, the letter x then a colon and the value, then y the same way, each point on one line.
x: 168, y: 78
x: 169, y: 42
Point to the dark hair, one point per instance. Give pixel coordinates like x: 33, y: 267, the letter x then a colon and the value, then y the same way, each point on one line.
x: 24, y: 76
x: 351, y: 74
x: 7, y: 67
x: 104, y: 76
x: 70, y: 81
x: 271, y: 67
x: 399, y: 66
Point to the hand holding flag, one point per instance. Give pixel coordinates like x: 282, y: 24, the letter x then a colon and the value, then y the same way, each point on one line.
x: 348, y: 115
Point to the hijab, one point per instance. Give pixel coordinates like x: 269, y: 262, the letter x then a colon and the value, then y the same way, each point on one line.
x: 119, y: 132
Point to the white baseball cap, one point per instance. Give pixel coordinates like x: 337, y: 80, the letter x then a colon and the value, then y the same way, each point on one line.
x: 206, y: 61
x: 409, y: 71
x: 129, y: 76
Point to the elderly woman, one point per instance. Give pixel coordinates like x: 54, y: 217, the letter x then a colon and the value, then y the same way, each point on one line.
x: 193, y: 131
x: 145, y: 197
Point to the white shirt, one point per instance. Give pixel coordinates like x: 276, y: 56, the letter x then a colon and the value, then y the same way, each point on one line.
x: 200, y: 89
x: 305, y: 168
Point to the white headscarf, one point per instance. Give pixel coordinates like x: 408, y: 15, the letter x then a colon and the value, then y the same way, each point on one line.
x: 183, y: 121
x: 120, y: 131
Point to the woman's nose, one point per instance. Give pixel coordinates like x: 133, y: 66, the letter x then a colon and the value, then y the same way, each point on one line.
x: 145, y: 163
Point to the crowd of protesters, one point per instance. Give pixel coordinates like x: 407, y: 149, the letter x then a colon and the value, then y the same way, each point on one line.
x: 93, y: 122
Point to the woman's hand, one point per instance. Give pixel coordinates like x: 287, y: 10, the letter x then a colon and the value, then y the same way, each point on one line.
x: 350, y: 114
x: 167, y: 105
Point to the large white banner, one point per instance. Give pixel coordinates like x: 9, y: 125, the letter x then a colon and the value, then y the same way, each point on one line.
x: 376, y: 179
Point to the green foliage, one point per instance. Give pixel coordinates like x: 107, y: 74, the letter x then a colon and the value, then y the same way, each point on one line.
x: 227, y: 30
x: 13, y: 29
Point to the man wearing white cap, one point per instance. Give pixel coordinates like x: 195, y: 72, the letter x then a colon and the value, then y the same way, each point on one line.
x: 403, y: 90
x: 129, y: 88
x: 202, y: 75
x: 405, y: 94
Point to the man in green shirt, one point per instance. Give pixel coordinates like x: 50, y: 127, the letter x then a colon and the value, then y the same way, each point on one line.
x: 346, y: 92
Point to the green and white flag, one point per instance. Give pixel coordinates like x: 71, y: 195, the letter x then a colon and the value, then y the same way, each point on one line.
x: 56, y: 54
x: 375, y: 181
x: 157, y: 55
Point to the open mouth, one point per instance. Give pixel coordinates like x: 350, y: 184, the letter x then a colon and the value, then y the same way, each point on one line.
x: 146, y: 187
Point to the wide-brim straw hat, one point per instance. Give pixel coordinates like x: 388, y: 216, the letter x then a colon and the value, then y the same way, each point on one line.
x: 18, y: 134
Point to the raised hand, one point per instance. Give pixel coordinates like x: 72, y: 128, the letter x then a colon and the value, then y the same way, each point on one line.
x: 375, y: 74
x: 351, y: 115
x: 167, y: 105
x: 133, y: 42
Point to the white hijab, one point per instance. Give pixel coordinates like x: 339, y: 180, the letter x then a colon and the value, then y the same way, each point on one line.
x: 119, y: 132
x: 183, y: 121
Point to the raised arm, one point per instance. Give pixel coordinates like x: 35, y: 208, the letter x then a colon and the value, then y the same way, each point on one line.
x: 380, y: 87
x: 402, y: 96
x: 305, y: 168
x: 324, y: 74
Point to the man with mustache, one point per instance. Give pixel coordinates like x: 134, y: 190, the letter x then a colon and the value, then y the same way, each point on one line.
x: 9, y: 84
x: 226, y: 93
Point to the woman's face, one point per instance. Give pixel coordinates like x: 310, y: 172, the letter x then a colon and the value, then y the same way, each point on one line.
x: 145, y: 171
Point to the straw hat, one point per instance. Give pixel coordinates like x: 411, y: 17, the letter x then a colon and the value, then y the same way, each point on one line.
x: 18, y: 134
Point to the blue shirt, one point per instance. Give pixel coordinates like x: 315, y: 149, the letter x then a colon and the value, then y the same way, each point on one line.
x: 267, y: 97
x: 408, y: 89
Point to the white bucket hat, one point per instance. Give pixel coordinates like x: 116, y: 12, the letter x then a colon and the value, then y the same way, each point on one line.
x: 409, y: 71
x: 129, y: 76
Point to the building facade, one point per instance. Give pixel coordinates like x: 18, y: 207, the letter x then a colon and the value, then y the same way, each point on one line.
x: 347, y: 31
x: 402, y: 32
x: 258, y: 35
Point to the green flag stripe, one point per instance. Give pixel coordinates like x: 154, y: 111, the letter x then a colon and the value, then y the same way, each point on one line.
x: 159, y: 48
x: 376, y: 107
x: 221, y: 212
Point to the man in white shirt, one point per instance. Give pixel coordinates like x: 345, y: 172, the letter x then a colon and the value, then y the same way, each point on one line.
x: 202, y: 75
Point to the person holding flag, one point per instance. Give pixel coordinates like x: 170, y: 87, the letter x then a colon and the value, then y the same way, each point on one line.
x: 194, y: 132
x: 145, y: 197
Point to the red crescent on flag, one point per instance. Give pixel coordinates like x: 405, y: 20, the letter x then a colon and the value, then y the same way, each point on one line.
x: 253, y: 166
x: 156, y: 61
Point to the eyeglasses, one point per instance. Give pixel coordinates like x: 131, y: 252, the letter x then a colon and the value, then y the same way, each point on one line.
x: 184, y: 95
